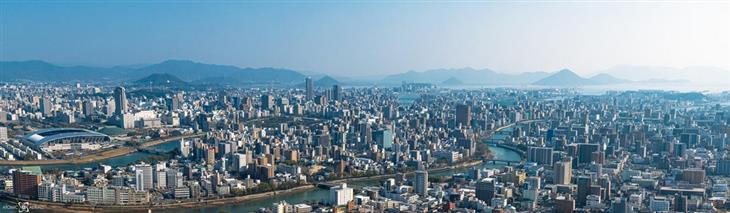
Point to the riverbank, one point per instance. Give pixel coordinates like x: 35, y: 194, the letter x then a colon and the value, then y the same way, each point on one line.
x: 96, y: 157
x: 63, y: 207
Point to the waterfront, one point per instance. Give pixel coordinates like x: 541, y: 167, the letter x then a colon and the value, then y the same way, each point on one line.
x: 318, y: 194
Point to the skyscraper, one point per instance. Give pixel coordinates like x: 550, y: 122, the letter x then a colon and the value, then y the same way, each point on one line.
x: 336, y: 93
x: 563, y: 171
x: 46, y: 106
x: 267, y: 101
x: 463, y: 114
x: 120, y: 101
x: 421, y: 183
x: 310, y: 88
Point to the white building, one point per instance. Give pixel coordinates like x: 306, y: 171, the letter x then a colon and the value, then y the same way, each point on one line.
x: 340, y: 195
x: 143, y: 177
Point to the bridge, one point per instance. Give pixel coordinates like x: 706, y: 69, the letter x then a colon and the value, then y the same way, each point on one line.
x: 508, y: 162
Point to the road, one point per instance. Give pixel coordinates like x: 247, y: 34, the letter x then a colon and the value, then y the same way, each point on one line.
x: 96, y: 157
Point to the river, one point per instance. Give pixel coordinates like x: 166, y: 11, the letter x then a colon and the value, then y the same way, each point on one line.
x: 318, y: 194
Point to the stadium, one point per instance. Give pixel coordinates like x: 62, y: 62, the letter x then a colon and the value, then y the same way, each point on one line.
x: 58, y: 139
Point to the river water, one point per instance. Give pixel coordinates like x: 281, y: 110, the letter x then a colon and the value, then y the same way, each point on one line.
x: 318, y: 194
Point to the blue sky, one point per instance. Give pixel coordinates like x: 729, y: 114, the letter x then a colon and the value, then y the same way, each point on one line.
x: 370, y: 38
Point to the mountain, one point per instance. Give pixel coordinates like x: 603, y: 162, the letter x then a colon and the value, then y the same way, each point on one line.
x: 161, y: 79
x: 566, y: 77
x: 467, y: 76
x: 658, y: 74
x: 184, y: 69
x: 44, y: 71
x: 563, y: 77
x: 452, y: 82
x: 191, y: 71
x: 326, y: 81
x: 604, y: 78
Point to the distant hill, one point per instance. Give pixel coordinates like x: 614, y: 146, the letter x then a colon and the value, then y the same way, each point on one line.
x: 566, y: 77
x: 44, y: 71
x: 467, y: 76
x: 660, y: 74
x: 452, y: 82
x: 324, y: 82
x: 563, y: 77
x: 604, y: 78
x: 159, y: 79
x: 184, y: 69
x: 190, y: 71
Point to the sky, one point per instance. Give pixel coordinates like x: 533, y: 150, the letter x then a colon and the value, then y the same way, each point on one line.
x: 366, y: 38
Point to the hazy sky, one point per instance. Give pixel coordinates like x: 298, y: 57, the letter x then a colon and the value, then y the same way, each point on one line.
x: 370, y: 38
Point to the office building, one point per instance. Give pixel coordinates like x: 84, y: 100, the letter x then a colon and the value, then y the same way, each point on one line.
x: 120, y: 101
x: 336, y: 93
x: 485, y: 189
x: 309, y: 88
x: 563, y: 171
x: 463, y: 115
x: 420, y: 185
x: 584, y: 187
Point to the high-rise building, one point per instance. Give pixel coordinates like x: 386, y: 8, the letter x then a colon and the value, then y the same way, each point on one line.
x: 88, y: 107
x: 621, y: 205
x: 694, y: 175
x: 384, y: 138
x: 143, y: 177
x: 3, y: 133
x: 540, y: 155
x: 584, y: 187
x: 485, y: 190
x: 336, y: 93
x: 310, y: 88
x: 680, y: 203
x: 26, y: 182
x: 120, y: 101
x: 46, y: 107
x: 585, y: 153
x: 267, y: 101
x: 564, y: 204
x: 420, y: 185
x: 463, y: 114
x: 563, y: 171
x: 722, y: 168
x: 340, y: 195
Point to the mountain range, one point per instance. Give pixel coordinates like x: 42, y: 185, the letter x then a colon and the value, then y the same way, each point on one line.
x: 467, y: 76
x: 185, y: 70
x: 190, y: 72
x: 566, y: 77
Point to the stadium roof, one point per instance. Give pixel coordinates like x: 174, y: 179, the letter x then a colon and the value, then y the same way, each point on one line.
x: 42, y: 136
